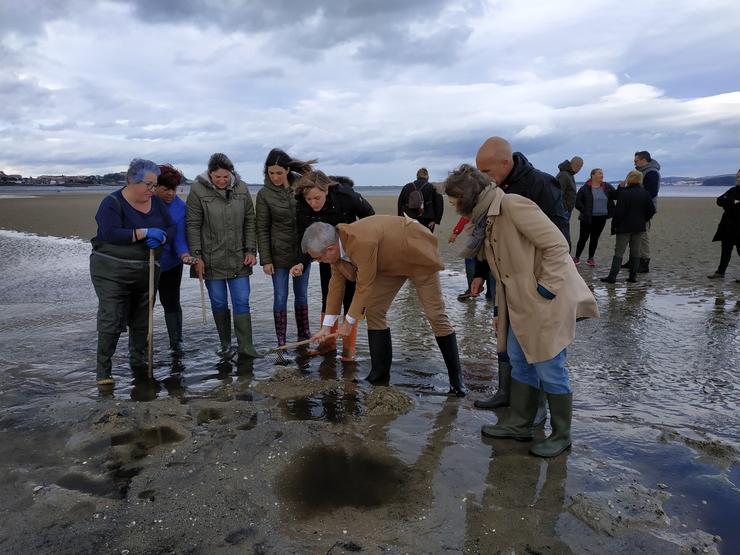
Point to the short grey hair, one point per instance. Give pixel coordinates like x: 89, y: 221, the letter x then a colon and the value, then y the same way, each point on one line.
x: 318, y: 237
x: 138, y: 168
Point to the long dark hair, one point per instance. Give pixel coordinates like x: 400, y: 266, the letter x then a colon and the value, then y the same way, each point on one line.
x: 294, y: 167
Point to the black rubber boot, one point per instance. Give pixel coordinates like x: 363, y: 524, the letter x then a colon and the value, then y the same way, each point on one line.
x: 107, y: 343
x: 137, y: 353
x: 501, y: 397
x: 381, y: 356
x: 541, y: 417
x: 644, y: 266
x: 519, y: 423
x: 223, y: 327
x: 174, y: 331
x: 634, y: 267
x: 614, y: 272
x: 448, y: 347
x: 561, y: 414
x: 243, y: 329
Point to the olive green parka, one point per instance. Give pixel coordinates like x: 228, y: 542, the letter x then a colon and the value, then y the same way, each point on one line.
x: 277, y: 233
x: 221, y: 226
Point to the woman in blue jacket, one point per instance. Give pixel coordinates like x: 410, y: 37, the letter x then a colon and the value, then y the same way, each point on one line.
x: 175, y: 253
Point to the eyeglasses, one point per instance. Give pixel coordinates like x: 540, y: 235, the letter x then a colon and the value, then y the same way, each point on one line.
x: 150, y: 186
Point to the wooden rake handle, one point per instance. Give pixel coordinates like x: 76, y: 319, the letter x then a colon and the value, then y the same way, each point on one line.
x: 300, y: 343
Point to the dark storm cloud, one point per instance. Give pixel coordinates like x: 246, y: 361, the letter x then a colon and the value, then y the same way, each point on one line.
x: 381, y: 28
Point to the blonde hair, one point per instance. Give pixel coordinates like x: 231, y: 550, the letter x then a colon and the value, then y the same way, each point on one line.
x: 633, y: 177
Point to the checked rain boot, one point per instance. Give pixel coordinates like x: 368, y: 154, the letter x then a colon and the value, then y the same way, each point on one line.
x: 174, y: 331
x: 612, y: 277
x: 541, y: 417
x: 223, y: 327
x: 561, y: 414
x: 281, y: 325
x: 137, y: 353
x: 107, y: 343
x: 518, y: 424
x: 644, y: 266
x: 302, y: 323
x: 348, y: 345
x: 381, y: 356
x: 634, y: 267
x: 243, y: 330
x: 448, y: 347
x: 501, y: 397
x: 327, y: 346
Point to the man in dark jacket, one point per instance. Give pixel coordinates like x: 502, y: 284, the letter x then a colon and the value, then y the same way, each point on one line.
x: 515, y: 175
x: 428, y: 208
x: 566, y: 179
x: 650, y: 170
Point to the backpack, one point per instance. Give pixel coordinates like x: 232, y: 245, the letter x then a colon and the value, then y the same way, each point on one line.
x: 416, y: 201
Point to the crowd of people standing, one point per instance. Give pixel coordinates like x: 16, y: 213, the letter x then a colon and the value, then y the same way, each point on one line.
x: 514, y: 222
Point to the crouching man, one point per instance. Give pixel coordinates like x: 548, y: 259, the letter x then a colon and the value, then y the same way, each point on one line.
x: 380, y: 253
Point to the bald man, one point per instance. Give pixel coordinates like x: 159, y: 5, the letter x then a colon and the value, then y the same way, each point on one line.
x: 567, y: 180
x: 516, y: 175
x: 513, y: 173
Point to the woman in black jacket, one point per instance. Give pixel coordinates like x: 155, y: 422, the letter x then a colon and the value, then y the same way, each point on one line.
x: 728, y: 230
x: 595, y: 202
x: 333, y: 201
x: 633, y: 210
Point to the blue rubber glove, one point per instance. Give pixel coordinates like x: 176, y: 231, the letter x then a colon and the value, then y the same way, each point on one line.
x: 155, y: 237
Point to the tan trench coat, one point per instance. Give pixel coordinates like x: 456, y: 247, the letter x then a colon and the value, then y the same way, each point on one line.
x: 524, y: 248
x: 380, y: 245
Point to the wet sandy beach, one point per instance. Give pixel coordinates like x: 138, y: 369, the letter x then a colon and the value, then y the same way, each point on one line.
x: 306, y: 458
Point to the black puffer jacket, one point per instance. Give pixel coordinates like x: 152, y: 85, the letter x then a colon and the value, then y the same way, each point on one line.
x: 539, y: 187
x: 585, y: 201
x: 343, y: 206
x: 729, y: 226
x: 633, y: 210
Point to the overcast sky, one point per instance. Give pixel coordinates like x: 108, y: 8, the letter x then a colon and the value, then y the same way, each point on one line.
x: 373, y: 88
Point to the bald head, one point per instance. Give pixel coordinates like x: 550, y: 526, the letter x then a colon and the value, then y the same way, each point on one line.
x: 495, y: 159
x: 576, y: 163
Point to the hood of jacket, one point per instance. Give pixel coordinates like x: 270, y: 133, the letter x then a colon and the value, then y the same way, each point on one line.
x: 522, y: 168
x: 565, y: 166
x: 650, y: 166
x: 205, y: 179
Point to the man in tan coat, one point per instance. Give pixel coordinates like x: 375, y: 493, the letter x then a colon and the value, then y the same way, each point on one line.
x: 539, y: 297
x: 381, y: 253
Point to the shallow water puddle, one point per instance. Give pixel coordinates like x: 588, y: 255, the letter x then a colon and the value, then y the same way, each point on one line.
x: 323, y: 478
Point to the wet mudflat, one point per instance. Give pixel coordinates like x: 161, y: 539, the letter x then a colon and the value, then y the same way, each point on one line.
x: 238, y: 457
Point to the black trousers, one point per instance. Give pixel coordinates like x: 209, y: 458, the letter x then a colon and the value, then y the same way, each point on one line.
x: 169, y: 289
x: 590, y: 232
x: 724, y: 259
x: 349, y: 288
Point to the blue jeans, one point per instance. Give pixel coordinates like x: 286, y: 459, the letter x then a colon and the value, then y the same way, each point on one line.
x: 239, y: 289
x: 280, y: 279
x: 552, y: 373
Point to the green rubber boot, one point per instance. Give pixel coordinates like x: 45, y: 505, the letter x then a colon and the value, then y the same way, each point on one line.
x: 501, y: 397
x: 223, y: 326
x: 243, y: 329
x: 561, y: 413
x: 518, y: 424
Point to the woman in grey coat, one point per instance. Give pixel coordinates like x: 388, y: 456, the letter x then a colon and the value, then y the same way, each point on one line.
x: 221, y: 232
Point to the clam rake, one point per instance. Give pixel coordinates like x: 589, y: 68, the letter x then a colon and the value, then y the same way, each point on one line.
x: 277, y: 355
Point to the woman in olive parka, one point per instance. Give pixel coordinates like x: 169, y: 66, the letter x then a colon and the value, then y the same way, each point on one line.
x: 220, y: 225
x: 278, y: 240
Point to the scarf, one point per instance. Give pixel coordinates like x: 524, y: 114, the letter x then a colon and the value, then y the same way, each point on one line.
x: 478, y: 221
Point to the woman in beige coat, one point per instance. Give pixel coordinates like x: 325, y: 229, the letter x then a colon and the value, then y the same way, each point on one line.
x: 539, y: 297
